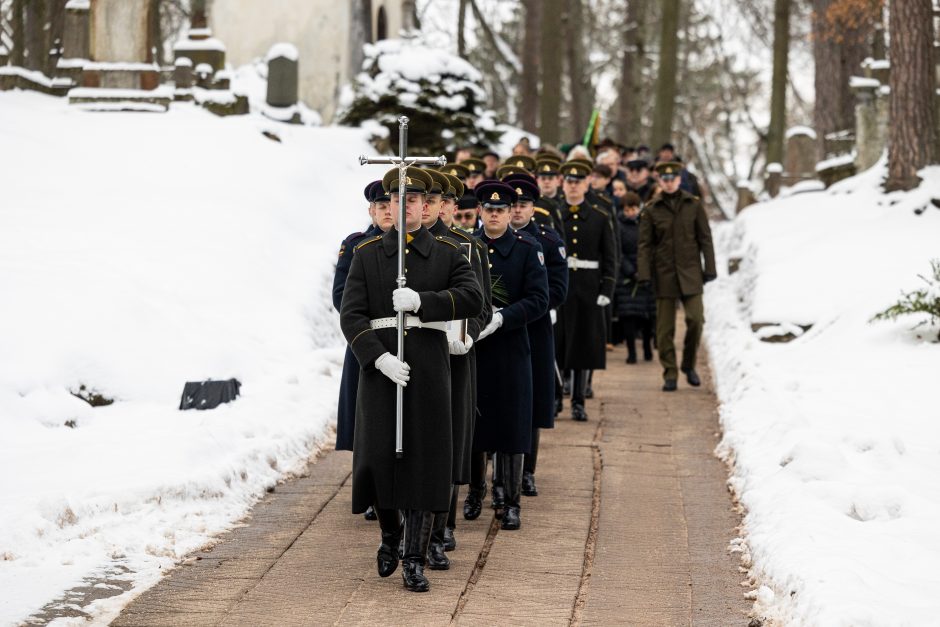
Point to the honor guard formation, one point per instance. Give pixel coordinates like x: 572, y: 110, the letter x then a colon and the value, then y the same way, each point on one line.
x: 520, y: 278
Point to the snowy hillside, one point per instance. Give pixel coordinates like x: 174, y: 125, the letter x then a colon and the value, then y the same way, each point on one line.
x: 138, y: 252
x: 835, y: 435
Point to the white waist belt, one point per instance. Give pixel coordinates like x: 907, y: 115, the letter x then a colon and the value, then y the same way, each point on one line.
x: 583, y: 264
x: 411, y: 322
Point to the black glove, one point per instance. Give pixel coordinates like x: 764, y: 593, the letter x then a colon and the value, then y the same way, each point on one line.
x: 709, y: 277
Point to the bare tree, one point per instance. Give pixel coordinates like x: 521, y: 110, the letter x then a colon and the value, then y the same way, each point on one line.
x: 839, y: 47
x: 629, y: 94
x: 778, y: 92
x: 582, y: 94
x: 461, y: 26
x: 551, y: 54
x: 912, y: 134
x: 529, y: 89
x: 666, y: 75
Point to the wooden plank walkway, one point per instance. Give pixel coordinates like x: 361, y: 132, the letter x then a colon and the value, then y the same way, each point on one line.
x: 631, y: 527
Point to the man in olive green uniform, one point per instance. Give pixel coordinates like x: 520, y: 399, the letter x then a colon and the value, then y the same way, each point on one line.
x: 674, y: 240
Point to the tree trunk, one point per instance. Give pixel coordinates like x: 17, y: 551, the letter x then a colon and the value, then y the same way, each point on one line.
x: 461, y: 26
x: 836, y: 60
x: 778, y: 94
x: 666, y: 77
x: 37, y: 46
x: 17, y: 52
x: 529, y: 89
x: 628, y: 123
x: 551, y: 51
x: 912, y: 132
x: 582, y: 94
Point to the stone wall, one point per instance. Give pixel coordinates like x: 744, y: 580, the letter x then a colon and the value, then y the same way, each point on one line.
x: 119, y: 30
x: 320, y: 29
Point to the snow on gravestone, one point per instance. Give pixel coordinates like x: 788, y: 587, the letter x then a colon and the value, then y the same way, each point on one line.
x: 800, y: 158
x: 283, y: 64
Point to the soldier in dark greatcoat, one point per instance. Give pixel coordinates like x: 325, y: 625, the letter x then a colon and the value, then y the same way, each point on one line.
x: 441, y: 287
x: 592, y: 269
x: 381, y: 215
x: 675, y: 241
x: 541, y: 335
x: 462, y: 362
x: 520, y: 296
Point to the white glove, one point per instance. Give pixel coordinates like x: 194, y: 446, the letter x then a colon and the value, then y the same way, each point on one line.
x: 394, y: 369
x: 602, y: 301
x: 406, y: 299
x: 494, y: 324
x: 456, y: 347
x: 553, y: 315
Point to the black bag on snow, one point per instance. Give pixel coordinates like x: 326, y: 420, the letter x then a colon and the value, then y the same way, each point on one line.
x: 209, y: 394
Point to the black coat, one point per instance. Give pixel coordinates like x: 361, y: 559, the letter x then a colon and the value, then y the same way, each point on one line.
x: 589, y: 237
x: 541, y: 334
x: 504, y: 366
x: 444, y: 279
x: 463, y: 371
x: 631, y: 299
x: 548, y: 213
x: 349, y: 380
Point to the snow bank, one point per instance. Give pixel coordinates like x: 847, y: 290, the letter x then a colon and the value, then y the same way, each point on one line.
x: 139, y: 252
x: 835, y: 436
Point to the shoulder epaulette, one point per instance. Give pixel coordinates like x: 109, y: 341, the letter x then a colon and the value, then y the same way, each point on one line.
x: 368, y: 241
x: 460, y: 234
x: 525, y: 237
x: 544, y: 212
x: 551, y: 236
x: 599, y: 210
x: 447, y: 241
x: 353, y: 236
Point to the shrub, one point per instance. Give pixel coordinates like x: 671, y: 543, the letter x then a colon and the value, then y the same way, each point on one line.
x: 919, y: 302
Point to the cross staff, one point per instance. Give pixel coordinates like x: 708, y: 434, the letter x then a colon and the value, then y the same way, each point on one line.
x: 402, y: 162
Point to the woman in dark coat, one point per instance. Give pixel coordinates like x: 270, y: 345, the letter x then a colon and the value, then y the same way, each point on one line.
x: 635, y: 304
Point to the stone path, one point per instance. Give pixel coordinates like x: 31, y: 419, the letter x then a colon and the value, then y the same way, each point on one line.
x: 631, y: 527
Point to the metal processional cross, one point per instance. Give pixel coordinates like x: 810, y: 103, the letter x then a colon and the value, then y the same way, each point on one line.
x: 402, y: 161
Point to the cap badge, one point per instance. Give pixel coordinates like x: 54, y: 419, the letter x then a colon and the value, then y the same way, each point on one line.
x: 519, y: 191
x: 471, y: 167
x: 495, y: 196
x: 546, y: 168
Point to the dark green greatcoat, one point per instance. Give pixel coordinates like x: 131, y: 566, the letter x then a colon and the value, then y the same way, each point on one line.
x: 674, y: 240
x: 442, y: 276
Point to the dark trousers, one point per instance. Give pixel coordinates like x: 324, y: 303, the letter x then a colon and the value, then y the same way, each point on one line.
x: 634, y: 326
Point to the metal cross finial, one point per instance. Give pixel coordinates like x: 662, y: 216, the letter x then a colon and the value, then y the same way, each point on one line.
x: 402, y: 161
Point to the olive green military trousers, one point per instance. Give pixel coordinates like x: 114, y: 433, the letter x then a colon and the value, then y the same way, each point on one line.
x: 666, y: 330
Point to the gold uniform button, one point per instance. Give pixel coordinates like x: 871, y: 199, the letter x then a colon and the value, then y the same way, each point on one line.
x: 405, y: 333
x: 574, y: 241
x: 575, y: 216
x: 407, y: 250
x: 491, y: 265
x: 574, y: 254
x: 492, y: 251
x: 575, y: 227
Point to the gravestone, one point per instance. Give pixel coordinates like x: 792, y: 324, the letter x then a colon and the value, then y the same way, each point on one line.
x: 76, y: 41
x: 800, y: 156
x: 283, y: 68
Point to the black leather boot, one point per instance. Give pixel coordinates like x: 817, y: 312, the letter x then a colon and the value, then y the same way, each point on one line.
x: 370, y: 514
x: 499, y: 491
x: 647, y: 348
x: 450, y: 542
x: 512, y: 476
x: 473, y: 504
x: 437, y: 559
x: 528, y: 467
x: 589, y: 387
x: 386, y: 560
x: 417, y: 536
x: 692, y: 377
x: 577, y: 395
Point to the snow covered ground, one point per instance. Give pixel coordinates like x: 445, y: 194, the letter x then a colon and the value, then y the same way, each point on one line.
x: 138, y: 252
x: 835, y: 436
